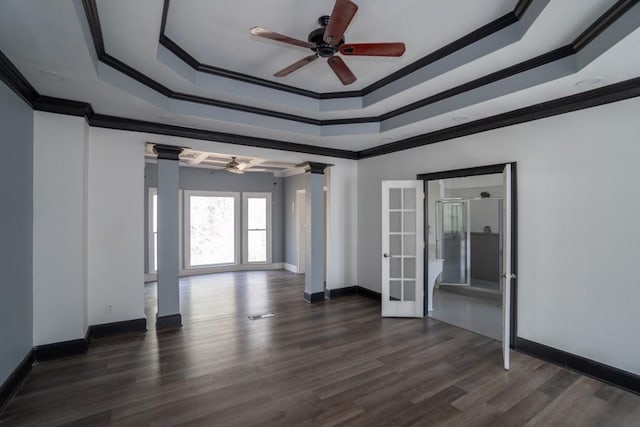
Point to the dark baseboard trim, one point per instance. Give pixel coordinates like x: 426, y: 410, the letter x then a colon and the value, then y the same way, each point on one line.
x: 609, y: 374
x: 341, y: 292
x: 61, y: 349
x: 352, y: 290
x: 117, y: 328
x: 169, y: 322
x: 314, y: 298
x: 11, y: 385
x: 365, y: 292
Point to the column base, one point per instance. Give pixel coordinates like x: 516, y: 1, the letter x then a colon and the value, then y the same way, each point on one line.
x: 169, y: 322
x: 313, y: 298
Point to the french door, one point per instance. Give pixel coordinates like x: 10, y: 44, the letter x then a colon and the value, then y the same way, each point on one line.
x: 507, y: 274
x: 403, y: 248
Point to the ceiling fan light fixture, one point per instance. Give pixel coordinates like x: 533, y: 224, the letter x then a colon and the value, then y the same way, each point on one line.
x: 234, y: 166
x: 235, y: 170
x: 328, y: 41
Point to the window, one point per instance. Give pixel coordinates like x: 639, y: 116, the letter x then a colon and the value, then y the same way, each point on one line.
x: 256, y: 227
x: 211, y: 228
x: 153, y: 230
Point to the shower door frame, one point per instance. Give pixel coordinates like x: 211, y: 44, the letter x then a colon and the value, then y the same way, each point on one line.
x: 467, y: 239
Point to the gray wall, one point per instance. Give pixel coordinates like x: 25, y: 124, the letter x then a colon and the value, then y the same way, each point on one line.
x: 16, y: 229
x: 219, y: 180
x: 291, y: 185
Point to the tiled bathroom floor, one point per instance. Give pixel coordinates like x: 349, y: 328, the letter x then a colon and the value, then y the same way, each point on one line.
x: 477, y: 314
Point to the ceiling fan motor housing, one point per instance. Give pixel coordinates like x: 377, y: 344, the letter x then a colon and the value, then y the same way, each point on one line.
x: 323, y: 49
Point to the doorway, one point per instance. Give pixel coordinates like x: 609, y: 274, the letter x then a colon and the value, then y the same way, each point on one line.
x: 465, y: 237
x: 470, y: 248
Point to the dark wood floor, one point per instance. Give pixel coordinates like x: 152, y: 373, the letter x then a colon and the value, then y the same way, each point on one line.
x: 334, y: 363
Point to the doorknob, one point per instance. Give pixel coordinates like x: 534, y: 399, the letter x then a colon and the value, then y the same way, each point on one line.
x: 513, y: 276
x: 386, y: 255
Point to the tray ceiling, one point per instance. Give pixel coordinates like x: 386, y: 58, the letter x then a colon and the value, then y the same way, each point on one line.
x: 54, y: 45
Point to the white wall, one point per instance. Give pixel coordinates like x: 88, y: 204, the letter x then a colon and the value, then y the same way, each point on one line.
x: 89, y: 222
x: 342, y: 239
x: 59, y: 238
x: 578, y: 203
x: 342, y: 220
x: 116, y: 228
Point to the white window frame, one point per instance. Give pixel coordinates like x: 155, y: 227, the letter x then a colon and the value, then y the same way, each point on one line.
x: 187, y: 224
x: 153, y: 191
x: 151, y: 247
x: 245, y: 228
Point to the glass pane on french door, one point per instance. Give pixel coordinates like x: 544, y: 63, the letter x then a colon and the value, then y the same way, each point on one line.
x: 402, y: 244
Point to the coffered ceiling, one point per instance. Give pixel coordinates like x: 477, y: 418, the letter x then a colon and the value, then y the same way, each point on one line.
x: 194, y: 64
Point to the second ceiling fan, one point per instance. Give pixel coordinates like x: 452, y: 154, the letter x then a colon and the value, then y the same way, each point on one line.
x: 328, y: 40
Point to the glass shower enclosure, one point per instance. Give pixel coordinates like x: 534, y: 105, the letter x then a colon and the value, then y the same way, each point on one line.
x: 461, y: 230
x: 453, y: 241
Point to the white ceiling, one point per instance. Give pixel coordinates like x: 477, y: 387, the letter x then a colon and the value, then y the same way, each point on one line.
x: 40, y: 36
x: 228, y: 44
x: 208, y: 160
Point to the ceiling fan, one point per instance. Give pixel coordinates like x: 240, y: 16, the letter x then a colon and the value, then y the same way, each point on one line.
x: 328, y: 40
x: 235, y: 166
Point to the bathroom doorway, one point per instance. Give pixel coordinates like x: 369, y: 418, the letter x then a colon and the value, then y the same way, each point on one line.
x: 469, y: 235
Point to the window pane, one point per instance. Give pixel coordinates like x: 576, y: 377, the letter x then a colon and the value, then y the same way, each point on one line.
x: 155, y: 212
x: 155, y: 251
x: 395, y: 222
x: 409, y: 292
x: 212, y: 230
x: 257, y: 246
x: 395, y: 290
x: 409, y: 198
x: 395, y: 198
x: 257, y: 214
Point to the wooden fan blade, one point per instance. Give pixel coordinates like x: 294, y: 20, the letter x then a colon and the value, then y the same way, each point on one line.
x: 373, y: 49
x: 341, y: 16
x: 261, y: 32
x: 296, y: 65
x: 342, y: 71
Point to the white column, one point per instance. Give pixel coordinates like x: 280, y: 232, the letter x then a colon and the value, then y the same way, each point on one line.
x: 168, y: 237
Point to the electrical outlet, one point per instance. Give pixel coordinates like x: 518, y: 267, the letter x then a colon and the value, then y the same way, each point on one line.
x: 108, y: 308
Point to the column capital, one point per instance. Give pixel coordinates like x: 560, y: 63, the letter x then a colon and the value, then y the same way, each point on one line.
x: 167, y: 152
x: 314, y: 167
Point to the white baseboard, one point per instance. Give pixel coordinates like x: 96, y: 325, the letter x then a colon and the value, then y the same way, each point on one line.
x: 290, y: 267
x: 225, y: 269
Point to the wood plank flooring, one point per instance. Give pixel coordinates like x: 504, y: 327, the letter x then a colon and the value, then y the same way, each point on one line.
x: 333, y: 363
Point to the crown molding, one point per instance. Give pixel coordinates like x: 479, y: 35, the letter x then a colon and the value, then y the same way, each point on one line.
x: 14, y: 79
x: 600, y: 25
x: 592, y: 98
x: 588, y: 99
x: 464, y: 41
